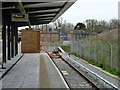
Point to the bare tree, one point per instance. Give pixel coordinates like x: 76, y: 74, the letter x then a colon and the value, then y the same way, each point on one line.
x: 69, y: 27
x: 63, y: 26
x: 102, y: 23
x: 66, y: 27
x: 91, y: 23
x: 46, y: 28
x: 59, y: 24
x: 101, y: 26
x: 113, y: 23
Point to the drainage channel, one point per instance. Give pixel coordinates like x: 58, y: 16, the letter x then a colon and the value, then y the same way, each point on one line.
x: 72, y: 76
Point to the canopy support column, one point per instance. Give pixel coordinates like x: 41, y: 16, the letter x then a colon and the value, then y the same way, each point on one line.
x: 12, y: 40
x: 9, y: 57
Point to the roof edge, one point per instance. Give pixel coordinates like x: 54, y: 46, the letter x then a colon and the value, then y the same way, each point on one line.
x: 68, y: 4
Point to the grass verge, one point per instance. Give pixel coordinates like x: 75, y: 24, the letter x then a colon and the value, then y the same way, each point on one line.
x: 112, y: 71
x: 66, y: 48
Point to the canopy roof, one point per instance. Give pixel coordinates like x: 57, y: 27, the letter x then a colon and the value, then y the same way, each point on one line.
x: 39, y: 12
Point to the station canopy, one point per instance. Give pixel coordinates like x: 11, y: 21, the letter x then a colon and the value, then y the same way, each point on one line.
x: 38, y: 12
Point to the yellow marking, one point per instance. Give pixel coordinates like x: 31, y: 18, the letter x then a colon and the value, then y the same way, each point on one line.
x: 20, y: 8
x: 56, y: 61
x: 82, y: 85
x: 65, y: 72
x: 17, y: 15
x: 73, y: 85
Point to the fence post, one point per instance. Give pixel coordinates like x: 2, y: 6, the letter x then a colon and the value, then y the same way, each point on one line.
x: 74, y: 48
x: 71, y: 47
x: 89, y: 51
x: 110, y: 54
x: 85, y: 48
x: 80, y: 49
x: 95, y: 51
x: 101, y: 50
x: 77, y: 48
x: 84, y: 51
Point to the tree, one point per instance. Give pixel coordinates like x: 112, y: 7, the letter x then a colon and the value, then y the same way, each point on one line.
x: 91, y: 23
x: 59, y: 23
x: 79, y: 26
x: 113, y: 23
x: 67, y: 27
x: 101, y: 26
x: 63, y: 26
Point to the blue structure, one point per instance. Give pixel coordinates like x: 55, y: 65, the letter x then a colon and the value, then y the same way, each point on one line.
x: 76, y: 37
x: 64, y: 37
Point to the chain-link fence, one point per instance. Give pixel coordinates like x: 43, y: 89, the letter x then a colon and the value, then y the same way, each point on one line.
x: 103, y: 53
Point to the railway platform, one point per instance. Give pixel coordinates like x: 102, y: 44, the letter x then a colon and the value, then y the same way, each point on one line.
x: 33, y: 71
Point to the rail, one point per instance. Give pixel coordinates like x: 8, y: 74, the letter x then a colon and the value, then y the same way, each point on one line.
x: 97, y: 77
x: 88, y: 80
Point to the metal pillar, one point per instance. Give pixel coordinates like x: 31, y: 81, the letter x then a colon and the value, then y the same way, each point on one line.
x: 12, y: 40
x: 16, y: 40
x: 9, y: 57
x: 3, y: 44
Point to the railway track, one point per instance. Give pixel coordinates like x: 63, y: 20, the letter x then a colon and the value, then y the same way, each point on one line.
x: 73, y: 77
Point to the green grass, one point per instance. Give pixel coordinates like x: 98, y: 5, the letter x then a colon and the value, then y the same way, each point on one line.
x: 66, y: 48
x: 112, y: 71
x: 100, y: 61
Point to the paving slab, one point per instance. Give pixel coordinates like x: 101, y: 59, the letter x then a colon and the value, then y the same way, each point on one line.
x: 25, y: 74
x: 54, y: 78
x: 33, y: 71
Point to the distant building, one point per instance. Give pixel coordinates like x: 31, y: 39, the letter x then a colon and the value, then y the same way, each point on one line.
x: 81, y: 31
x: 80, y: 34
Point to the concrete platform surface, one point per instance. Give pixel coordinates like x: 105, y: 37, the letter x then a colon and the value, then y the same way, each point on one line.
x: 50, y: 77
x: 34, y: 71
x: 9, y: 64
x: 25, y: 74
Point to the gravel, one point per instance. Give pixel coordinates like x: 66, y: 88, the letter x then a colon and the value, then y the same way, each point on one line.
x: 73, y: 78
x: 107, y: 77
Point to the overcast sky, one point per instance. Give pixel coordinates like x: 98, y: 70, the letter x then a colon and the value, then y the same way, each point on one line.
x: 91, y: 9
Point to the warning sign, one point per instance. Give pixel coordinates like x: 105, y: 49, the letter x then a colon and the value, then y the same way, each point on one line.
x: 44, y: 47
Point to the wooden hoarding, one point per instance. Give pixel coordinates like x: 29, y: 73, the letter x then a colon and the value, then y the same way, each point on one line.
x: 30, y: 41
